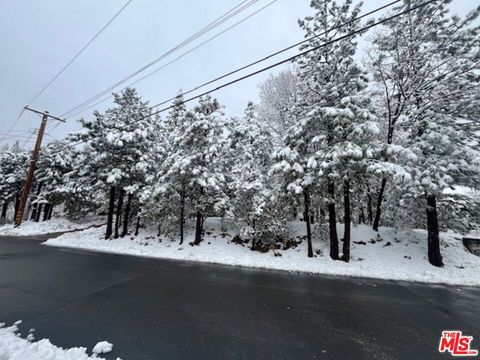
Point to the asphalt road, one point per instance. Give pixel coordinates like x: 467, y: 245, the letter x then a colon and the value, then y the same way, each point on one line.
x: 159, y: 309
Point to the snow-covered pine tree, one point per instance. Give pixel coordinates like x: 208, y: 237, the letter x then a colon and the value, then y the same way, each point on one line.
x: 195, y: 164
x: 117, y: 154
x: 291, y: 164
x: 251, y: 189
x: 165, y: 195
x: 13, y: 168
x: 428, y: 65
x: 53, y: 167
x: 329, y: 143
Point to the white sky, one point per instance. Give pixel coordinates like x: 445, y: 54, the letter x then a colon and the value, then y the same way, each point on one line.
x: 38, y: 37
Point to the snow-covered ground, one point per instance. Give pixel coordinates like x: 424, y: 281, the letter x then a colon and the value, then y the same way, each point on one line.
x: 15, y: 347
x: 51, y: 226
x: 390, y: 254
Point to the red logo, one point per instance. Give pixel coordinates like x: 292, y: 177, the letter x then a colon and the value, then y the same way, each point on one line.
x: 457, y: 344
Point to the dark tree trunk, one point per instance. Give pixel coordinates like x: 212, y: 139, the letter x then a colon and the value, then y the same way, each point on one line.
x: 347, y: 220
x: 33, y: 215
x: 369, y: 206
x: 254, y: 243
x: 4, y: 209
x: 50, y: 212
x: 378, y: 212
x: 182, y: 215
x: 127, y: 215
x: 46, y: 211
x: 332, y: 222
x: 198, y: 228
x: 361, y: 216
x: 306, y: 198
x: 39, y: 212
x: 35, y: 206
x: 434, y: 255
x: 119, y: 213
x: 137, y: 227
x: 17, y: 204
x: 111, y: 207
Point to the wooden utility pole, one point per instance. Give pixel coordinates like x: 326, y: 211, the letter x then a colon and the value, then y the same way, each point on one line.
x: 33, y: 162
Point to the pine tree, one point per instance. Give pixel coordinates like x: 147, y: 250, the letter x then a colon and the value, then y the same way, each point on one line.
x: 427, y: 62
x: 117, y: 154
x: 194, y: 165
x: 334, y: 120
x: 13, y: 168
x: 251, y: 189
x: 53, y: 168
x: 165, y: 195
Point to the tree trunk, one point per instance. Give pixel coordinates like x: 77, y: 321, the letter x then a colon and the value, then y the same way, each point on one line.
x: 434, y: 255
x: 254, y: 242
x: 332, y: 222
x: 39, y: 212
x: 182, y: 215
x: 4, y: 209
x: 376, y: 222
x: 127, y: 215
x: 35, y: 206
x: 306, y: 197
x: 198, y: 229
x: 119, y: 213
x: 17, y: 204
x: 50, y: 212
x: 369, y: 206
x: 322, y: 215
x: 361, y: 215
x: 347, y: 220
x: 137, y: 227
x: 33, y: 215
x: 111, y: 207
x: 46, y: 211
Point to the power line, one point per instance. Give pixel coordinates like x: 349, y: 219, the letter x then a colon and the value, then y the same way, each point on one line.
x: 217, y: 22
x: 80, y: 52
x: 19, y: 136
x: 14, y: 132
x: 279, y: 52
x: 361, y: 30
x: 13, y: 124
x: 69, y: 63
x: 246, y: 66
x: 365, y: 28
x: 178, y: 57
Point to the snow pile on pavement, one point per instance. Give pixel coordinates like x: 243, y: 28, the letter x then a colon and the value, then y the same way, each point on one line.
x: 389, y: 254
x: 14, y: 347
x: 102, y: 347
x: 50, y: 226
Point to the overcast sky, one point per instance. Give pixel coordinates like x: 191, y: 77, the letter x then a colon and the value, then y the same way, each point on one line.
x: 38, y: 37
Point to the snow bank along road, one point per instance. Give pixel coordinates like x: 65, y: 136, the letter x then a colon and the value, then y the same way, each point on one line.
x: 161, y: 309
